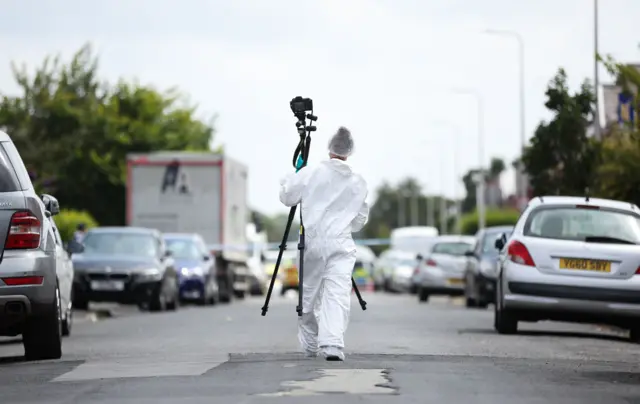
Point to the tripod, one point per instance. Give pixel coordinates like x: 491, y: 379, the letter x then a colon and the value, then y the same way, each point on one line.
x: 300, y: 106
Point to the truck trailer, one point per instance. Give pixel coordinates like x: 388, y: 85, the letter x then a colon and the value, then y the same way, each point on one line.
x: 195, y: 192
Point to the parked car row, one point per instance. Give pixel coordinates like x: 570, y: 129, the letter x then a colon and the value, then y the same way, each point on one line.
x: 132, y: 265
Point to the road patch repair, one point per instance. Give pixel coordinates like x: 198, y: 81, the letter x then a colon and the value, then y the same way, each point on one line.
x: 339, y: 381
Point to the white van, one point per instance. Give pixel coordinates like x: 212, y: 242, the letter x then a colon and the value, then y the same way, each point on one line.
x: 414, y: 239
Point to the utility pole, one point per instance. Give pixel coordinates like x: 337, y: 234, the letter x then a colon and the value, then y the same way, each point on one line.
x: 443, y: 216
x: 596, y: 79
x: 400, y: 210
x: 431, y: 211
x: 414, y: 209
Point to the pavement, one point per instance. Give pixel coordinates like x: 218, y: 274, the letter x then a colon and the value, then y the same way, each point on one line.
x: 398, y: 351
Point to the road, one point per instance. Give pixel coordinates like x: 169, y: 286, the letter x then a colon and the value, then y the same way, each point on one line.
x: 399, y: 351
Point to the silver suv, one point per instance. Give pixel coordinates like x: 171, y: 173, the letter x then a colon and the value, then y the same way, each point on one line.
x: 31, y: 302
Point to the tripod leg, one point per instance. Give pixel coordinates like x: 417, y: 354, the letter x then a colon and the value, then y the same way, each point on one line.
x: 363, y: 304
x: 283, y: 246
x: 300, y: 271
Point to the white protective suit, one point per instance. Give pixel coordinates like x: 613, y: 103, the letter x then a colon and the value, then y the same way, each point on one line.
x: 332, y: 199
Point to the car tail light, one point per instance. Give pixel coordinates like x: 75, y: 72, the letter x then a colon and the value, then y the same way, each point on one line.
x: 638, y: 271
x: 519, y: 254
x: 431, y: 263
x: 24, y: 231
x: 23, y: 280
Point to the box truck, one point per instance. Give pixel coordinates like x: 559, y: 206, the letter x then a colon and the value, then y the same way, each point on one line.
x: 195, y: 192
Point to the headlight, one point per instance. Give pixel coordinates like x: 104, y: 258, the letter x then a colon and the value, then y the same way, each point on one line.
x: 150, y: 274
x: 487, y: 268
x: 197, y: 271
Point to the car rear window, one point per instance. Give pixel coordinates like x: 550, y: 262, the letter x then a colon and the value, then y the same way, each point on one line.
x: 8, y: 178
x: 583, y: 224
x: 452, y: 248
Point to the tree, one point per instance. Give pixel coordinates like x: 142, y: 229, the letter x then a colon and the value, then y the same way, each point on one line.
x: 393, y: 208
x: 561, y: 158
x: 74, y: 131
x: 617, y: 175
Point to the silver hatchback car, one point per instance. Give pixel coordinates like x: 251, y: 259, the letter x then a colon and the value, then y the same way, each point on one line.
x: 571, y: 259
x: 34, y: 295
x: 441, y: 271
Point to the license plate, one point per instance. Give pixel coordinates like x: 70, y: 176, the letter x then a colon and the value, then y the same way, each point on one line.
x: 455, y: 281
x: 111, y: 286
x: 585, y: 265
x: 194, y: 294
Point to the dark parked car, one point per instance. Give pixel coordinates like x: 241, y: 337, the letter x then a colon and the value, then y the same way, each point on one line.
x: 195, y: 266
x: 481, y: 270
x: 128, y: 265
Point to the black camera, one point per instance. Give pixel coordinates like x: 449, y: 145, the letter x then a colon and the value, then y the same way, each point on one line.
x: 301, y: 105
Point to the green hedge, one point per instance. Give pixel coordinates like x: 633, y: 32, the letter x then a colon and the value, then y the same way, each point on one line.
x: 469, y: 222
x: 68, y: 220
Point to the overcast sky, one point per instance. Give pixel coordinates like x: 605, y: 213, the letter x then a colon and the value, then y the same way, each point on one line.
x: 382, y: 68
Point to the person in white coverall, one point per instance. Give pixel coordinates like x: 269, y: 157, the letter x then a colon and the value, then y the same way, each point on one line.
x: 332, y: 202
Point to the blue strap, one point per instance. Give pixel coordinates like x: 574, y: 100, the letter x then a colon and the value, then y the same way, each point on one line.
x: 299, y: 163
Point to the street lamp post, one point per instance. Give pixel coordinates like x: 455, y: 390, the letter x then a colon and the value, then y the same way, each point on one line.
x: 480, y: 203
x: 512, y: 34
x: 596, y: 79
x: 456, y: 172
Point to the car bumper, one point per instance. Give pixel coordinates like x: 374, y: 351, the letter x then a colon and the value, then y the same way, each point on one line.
x: 19, y: 302
x: 134, y: 291
x: 528, y: 289
x: 437, y: 280
x: 400, y: 284
x: 192, y: 288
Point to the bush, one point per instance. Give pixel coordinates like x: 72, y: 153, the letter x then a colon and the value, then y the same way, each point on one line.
x: 469, y: 222
x: 68, y: 220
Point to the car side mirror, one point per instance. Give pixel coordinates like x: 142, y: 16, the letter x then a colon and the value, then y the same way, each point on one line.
x: 470, y: 253
x: 206, y: 257
x: 419, y: 257
x: 51, y: 204
x: 500, y: 242
x: 73, y: 247
x: 167, y: 254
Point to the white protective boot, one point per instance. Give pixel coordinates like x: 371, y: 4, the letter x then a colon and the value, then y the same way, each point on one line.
x: 332, y: 353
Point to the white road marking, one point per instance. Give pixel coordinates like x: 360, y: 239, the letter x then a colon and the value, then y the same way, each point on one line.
x: 346, y: 381
x: 131, y: 369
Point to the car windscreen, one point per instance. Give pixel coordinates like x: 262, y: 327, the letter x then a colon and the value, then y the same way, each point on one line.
x: 489, y: 241
x: 143, y: 245
x: 184, y: 249
x: 590, y: 224
x: 406, y: 262
x: 451, y: 248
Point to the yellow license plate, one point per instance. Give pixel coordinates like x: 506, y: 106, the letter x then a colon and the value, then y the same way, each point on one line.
x: 585, y: 265
x: 455, y: 281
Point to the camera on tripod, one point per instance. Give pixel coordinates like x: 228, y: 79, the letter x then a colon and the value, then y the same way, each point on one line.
x: 300, y: 106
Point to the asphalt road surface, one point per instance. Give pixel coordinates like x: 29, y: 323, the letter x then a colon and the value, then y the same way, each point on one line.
x: 398, y: 351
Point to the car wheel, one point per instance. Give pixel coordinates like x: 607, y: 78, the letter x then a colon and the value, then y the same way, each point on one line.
x: 157, y: 301
x: 174, y: 303
x: 470, y: 302
x: 67, y: 323
x: 42, y: 337
x: 423, y: 295
x: 504, y: 321
x: 80, y: 304
x: 239, y: 294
